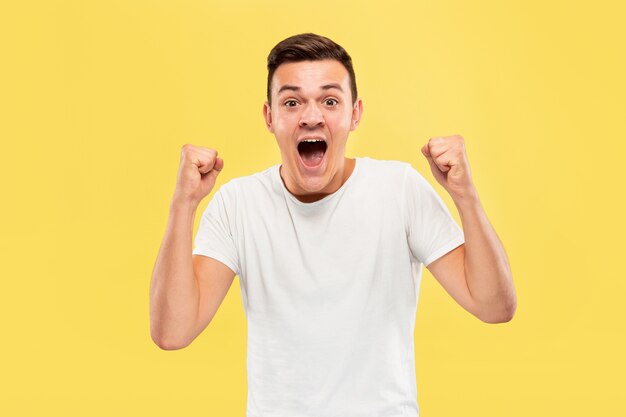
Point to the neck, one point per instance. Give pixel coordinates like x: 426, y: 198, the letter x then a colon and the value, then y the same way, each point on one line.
x: 340, y: 178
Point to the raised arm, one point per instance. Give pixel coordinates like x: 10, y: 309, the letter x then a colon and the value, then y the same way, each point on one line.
x: 186, y: 290
x: 476, y: 274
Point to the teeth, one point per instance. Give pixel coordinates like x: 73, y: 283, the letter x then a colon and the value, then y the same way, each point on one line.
x: 313, y: 140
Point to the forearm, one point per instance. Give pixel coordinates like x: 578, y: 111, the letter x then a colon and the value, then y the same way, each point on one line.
x: 174, y: 293
x: 487, y: 269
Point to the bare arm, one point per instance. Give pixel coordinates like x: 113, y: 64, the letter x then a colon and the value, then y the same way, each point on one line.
x: 476, y: 274
x: 186, y: 290
x: 174, y: 293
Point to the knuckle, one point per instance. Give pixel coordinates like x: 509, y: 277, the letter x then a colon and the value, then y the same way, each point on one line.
x: 187, y: 149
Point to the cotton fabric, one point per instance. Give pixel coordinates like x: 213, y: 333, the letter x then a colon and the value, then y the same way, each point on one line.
x: 330, y: 288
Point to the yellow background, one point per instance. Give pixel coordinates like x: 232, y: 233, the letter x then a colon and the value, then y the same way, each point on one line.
x: 97, y: 97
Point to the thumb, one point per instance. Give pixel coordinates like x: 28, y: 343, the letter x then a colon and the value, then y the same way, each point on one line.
x: 429, y: 158
x: 433, y: 166
x: 217, y: 168
x: 219, y: 165
x: 437, y: 173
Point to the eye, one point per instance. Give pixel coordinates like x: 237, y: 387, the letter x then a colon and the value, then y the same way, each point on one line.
x: 290, y: 103
x: 331, y: 102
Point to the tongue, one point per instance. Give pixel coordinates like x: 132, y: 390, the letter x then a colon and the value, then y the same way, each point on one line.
x: 312, y: 158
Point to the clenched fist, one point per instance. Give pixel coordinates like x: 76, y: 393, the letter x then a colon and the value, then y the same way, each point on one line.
x: 448, y: 163
x: 197, y: 172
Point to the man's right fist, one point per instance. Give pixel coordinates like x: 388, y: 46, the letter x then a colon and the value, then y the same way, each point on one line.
x: 197, y: 172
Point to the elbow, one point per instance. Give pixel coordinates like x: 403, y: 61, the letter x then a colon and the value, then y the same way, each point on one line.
x: 168, y: 334
x: 503, y: 314
x: 168, y: 344
x: 501, y: 318
x: 167, y: 341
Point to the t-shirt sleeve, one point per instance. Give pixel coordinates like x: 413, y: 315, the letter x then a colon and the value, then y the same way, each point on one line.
x: 431, y: 230
x: 215, y: 234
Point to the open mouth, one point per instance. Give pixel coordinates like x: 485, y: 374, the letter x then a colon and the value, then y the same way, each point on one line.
x: 312, y: 151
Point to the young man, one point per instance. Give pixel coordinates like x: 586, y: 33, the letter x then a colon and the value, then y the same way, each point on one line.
x: 329, y: 250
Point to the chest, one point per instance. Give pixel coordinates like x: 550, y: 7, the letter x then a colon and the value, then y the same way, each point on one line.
x: 354, y: 233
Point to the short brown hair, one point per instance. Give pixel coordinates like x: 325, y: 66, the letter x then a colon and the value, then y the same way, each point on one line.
x: 307, y: 47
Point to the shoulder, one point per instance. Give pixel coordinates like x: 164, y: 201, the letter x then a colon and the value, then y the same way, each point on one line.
x: 251, y: 186
x: 388, y: 171
x: 394, y: 180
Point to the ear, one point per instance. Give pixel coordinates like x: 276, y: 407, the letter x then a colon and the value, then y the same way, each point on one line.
x: 357, y: 111
x: 267, y: 114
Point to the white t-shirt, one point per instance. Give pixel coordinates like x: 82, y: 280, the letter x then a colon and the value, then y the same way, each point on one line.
x: 330, y: 288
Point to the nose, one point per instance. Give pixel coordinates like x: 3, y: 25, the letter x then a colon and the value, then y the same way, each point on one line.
x: 311, y: 116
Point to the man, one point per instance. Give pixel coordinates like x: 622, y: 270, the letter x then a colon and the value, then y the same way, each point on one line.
x: 328, y: 249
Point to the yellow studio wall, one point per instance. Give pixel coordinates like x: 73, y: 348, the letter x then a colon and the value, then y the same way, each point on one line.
x: 97, y: 98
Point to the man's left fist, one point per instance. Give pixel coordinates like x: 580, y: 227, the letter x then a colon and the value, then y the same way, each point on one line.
x: 448, y: 163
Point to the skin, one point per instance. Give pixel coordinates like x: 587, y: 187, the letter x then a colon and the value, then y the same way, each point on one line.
x: 476, y: 274
x: 305, y: 108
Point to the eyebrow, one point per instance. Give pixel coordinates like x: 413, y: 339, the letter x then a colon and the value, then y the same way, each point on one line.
x: 296, y: 88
